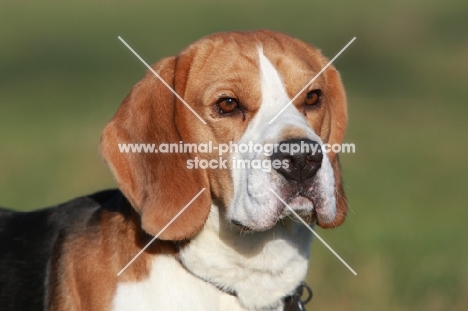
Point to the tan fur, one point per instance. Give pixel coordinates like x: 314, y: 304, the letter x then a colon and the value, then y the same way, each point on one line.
x: 90, y: 262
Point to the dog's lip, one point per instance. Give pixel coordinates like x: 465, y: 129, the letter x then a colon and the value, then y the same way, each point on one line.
x: 297, y: 200
x: 241, y: 226
x: 304, y: 196
x: 246, y: 229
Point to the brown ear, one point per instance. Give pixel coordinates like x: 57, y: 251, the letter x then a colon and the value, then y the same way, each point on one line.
x: 336, y: 99
x: 158, y: 185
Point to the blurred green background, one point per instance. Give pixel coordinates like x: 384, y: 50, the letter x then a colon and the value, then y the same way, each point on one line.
x: 63, y: 73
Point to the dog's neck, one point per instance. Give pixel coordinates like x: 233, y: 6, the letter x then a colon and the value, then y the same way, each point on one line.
x: 260, y: 268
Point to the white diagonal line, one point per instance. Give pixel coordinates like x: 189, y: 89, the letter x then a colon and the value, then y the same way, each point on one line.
x: 315, y: 233
x: 161, y: 79
x: 313, y: 79
x: 159, y: 233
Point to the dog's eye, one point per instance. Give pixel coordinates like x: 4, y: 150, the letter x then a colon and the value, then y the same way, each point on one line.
x: 313, y: 98
x: 227, y: 105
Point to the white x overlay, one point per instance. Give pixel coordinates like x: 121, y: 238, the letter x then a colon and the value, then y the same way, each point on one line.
x: 201, y: 191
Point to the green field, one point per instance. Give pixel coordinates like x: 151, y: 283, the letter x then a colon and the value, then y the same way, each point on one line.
x: 63, y: 73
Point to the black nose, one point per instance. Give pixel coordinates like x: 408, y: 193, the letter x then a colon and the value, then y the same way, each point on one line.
x: 300, y: 159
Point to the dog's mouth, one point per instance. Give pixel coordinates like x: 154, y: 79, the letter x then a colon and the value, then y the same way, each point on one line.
x: 302, y: 204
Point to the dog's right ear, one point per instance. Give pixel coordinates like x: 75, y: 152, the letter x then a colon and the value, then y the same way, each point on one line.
x: 158, y: 185
x: 339, y: 117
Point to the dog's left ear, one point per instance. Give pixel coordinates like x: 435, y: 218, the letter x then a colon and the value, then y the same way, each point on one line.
x: 158, y: 185
x: 336, y: 99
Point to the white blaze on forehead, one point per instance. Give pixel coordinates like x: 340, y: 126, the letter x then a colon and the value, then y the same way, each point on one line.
x: 274, y: 98
x: 273, y: 91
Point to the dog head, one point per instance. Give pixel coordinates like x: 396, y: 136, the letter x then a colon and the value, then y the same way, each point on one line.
x: 240, y: 83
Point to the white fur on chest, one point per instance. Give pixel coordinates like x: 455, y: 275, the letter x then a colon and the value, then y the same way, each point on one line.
x: 170, y: 287
x: 261, y: 268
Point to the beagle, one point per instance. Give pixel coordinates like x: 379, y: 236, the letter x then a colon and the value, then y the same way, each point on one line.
x: 237, y: 246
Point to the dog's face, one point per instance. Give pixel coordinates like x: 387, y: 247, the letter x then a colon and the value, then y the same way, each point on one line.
x: 238, y: 83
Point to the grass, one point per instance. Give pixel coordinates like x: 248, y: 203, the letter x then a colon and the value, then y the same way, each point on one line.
x: 63, y: 73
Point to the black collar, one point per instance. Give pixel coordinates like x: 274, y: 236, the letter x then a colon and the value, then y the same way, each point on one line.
x: 294, y: 302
